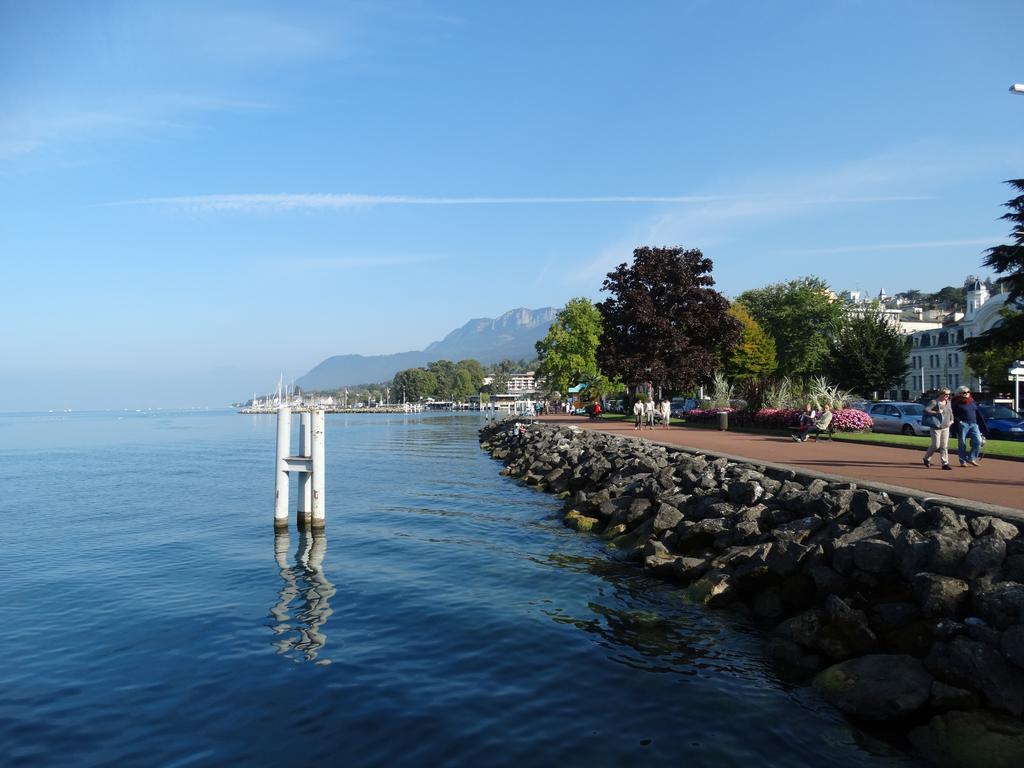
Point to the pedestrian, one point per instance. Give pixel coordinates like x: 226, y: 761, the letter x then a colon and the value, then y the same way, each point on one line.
x: 938, y: 415
x: 666, y: 412
x: 968, y: 423
x: 638, y: 413
x: 805, y: 423
x: 649, y: 412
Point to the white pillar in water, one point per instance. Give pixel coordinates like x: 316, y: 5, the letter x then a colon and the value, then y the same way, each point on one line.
x: 284, y: 434
x: 319, y: 499
x: 304, y: 517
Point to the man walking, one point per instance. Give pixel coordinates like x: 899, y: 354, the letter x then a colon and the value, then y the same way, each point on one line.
x: 968, y: 423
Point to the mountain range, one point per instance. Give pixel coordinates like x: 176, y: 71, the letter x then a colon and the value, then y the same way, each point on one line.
x: 488, y: 340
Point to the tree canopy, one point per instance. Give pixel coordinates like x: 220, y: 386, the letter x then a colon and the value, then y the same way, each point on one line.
x: 568, y: 353
x: 868, y: 355
x: 801, y: 315
x: 663, y: 322
x: 754, y: 356
x: 414, y: 384
x: 442, y: 379
x: 1008, y: 260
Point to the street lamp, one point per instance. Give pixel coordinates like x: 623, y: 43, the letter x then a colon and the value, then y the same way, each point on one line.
x: 1017, y: 88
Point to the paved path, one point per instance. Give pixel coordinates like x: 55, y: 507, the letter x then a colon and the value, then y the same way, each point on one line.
x: 994, y: 481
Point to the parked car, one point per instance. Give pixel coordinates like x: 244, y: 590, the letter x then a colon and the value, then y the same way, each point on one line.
x: 682, y: 405
x: 1003, y: 422
x: 898, y: 418
x: 860, y: 405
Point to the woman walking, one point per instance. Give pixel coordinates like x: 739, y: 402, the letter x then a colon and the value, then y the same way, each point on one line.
x: 940, y: 412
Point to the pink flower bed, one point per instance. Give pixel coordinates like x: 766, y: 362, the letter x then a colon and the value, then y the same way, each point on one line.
x: 843, y: 420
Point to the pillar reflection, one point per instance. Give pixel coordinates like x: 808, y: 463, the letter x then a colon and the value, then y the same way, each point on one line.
x: 303, y: 605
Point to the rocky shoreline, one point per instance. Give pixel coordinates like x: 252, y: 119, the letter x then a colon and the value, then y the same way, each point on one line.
x: 897, y: 610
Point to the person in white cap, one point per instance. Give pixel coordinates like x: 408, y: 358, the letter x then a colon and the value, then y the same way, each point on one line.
x: 940, y: 413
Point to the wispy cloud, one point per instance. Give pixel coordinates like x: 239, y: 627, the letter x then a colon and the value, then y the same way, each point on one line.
x: 33, y: 130
x: 293, y: 202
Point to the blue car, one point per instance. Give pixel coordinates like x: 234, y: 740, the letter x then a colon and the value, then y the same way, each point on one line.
x: 1003, y: 423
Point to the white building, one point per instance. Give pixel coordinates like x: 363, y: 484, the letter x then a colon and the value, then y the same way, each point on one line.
x: 936, y: 359
x: 522, y: 383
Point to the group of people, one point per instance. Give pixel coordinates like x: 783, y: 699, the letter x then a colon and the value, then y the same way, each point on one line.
x: 960, y: 414
x: 812, y: 420
x: 644, y: 413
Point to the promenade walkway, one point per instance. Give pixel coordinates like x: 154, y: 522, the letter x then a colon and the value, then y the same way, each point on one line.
x: 994, y: 481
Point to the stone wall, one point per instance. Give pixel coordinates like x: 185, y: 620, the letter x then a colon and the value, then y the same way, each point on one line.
x: 896, y: 608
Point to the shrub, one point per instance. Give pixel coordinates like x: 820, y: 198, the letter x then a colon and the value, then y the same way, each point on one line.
x: 843, y: 420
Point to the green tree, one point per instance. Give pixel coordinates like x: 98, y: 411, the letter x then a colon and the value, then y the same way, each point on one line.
x: 664, y: 323
x: 868, y: 354
x: 568, y: 353
x: 414, y: 384
x: 444, y: 371
x: 801, y: 315
x: 754, y: 356
x: 1007, y: 260
x: 475, y: 371
x: 949, y: 297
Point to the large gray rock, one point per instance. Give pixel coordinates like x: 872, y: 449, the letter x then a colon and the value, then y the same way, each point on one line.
x: 877, y: 686
x: 979, y: 667
x: 984, y: 558
x: 874, y: 556
x: 1000, y: 604
x: 946, y: 550
x: 1012, y: 645
x: 971, y: 740
x: 941, y: 597
x: 666, y: 518
x: 985, y: 526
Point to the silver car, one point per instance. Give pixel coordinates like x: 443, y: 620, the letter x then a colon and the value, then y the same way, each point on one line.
x: 899, y: 418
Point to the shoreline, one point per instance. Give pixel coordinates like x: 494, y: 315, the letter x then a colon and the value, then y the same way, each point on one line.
x: 898, y: 610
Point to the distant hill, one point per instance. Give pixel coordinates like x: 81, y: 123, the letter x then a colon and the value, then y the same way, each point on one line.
x: 510, y: 336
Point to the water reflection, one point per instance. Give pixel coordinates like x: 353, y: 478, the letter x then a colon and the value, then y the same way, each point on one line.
x: 639, y: 629
x: 300, y: 628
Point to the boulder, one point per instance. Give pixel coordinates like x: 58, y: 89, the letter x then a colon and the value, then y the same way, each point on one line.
x: 876, y: 686
x: 946, y: 550
x: 941, y: 596
x: 993, y: 526
x: 874, y: 556
x: 984, y: 558
x: 1012, y: 645
x: 666, y: 518
x: 946, y: 697
x: 792, y: 660
x: 1000, y: 604
x: 974, y: 665
x: 575, y: 519
x: 971, y: 740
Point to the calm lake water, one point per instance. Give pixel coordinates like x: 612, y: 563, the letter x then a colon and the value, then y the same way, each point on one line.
x: 446, y: 618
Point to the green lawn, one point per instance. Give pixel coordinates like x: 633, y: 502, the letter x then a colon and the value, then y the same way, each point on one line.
x: 1006, y: 449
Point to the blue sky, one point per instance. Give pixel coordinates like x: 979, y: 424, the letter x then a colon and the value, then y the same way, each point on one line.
x: 196, y: 196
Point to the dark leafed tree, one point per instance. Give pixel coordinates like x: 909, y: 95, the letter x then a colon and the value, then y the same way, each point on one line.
x: 664, y: 323
x: 868, y: 354
x: 1007, y: 260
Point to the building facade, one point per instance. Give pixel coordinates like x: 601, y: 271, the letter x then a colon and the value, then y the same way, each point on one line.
x: 936, y: 358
